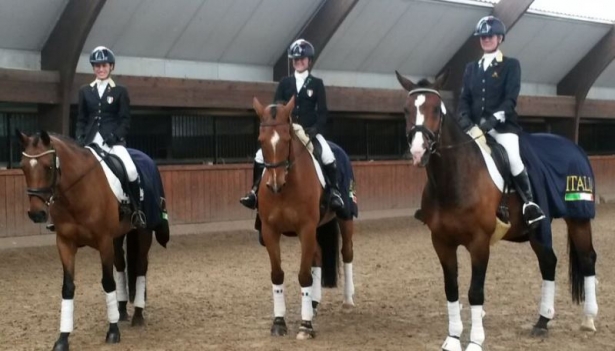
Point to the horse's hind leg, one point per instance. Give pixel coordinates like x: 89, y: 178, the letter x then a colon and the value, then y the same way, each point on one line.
x: 120, y: 277
x: 67, y: 251
x: 106, y: 250
x: 547, y: 262
x: 272, y: 243
x: 140, y: 243
x: 479, y: 253
x: 448, y: 259
x: 316, y: 279
x: 347, y: 230
x: 582, y: 269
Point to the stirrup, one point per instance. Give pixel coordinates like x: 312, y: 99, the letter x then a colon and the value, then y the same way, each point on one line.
x: 51, y: 227
x: 250, y: 201
x: 138, y: 219
x: 532, y: 218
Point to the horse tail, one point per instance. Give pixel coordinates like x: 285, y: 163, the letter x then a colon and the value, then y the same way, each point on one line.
x: 132, y: 257
x: 163, y: 233
x: 575, y: 274
x: 328, y: 238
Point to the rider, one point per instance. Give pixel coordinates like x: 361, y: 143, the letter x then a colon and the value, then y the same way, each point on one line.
x: 311, y: 112
x: 104, y: 119
x: 488, y: 98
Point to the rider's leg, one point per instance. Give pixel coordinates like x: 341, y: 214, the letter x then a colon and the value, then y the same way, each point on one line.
x: 138, y: 219
x: 330, y: 169
x: 250, y: 200
x: 532, y: 213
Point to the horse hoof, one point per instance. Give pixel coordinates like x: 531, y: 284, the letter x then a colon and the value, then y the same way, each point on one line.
x: 588, y: 324
x: 279, y: 327
x: 474, y: 347
x: 306, y: 331
x: 348, y: 304
x: 60, y: 345
x: 539, y: 332
x: 113, y: 336
x: 451, y: 344
x: 138, y: 322
x: 124, y: 316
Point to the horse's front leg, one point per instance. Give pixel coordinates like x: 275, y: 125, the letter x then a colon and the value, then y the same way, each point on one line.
x: 67, y: 251
x: 447, y: 254
x: 271, y: 239
x: 347, y: 229
x: 105, y: 247
x: 120, y: 277
x: 479, y: 254
x: 140, y: 243
x: 307, y: 236
x: 547, y: 262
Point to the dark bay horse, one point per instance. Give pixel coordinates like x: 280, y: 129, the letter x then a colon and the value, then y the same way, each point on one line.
x: 459, y: 206
x: 66, y: 181
x: 290, y: 203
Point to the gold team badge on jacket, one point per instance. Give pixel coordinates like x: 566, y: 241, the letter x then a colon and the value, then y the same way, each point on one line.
x: 310, y: 92
x: 109, y: 99
x: 495, y: 75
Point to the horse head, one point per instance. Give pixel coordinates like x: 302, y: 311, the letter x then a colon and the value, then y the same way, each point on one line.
x: 41, y: 167
x: 275, y: 137
x: 424, y: 111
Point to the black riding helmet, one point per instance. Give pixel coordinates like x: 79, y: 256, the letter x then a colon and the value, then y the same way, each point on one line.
x: 102, y: 54
x: 301, y: 48
x: 490, y: 25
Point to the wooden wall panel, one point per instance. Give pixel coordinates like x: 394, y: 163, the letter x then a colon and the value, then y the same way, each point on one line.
x: 205, y: 194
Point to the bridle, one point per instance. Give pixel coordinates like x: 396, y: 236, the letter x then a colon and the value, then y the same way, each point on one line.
x: 433, y: 138
x: 287, y: 163
x: 55, y: 169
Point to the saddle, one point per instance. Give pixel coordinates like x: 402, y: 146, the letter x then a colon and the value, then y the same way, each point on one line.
x: 115, y: 164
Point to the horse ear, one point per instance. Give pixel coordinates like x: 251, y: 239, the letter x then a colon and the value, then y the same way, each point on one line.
x: 405, y: 82
x: 23, y: 139
x: 258, y: 107
x: 45, y: 138
x: 441, y: 80
x: 290, y: 105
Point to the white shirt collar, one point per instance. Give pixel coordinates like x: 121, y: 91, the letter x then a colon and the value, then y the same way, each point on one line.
x: 300, y: 78
x: 489, y: 57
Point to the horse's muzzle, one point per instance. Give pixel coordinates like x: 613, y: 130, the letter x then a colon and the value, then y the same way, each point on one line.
x: 38, y: 216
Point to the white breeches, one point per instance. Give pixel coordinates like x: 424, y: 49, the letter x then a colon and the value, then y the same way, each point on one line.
x: 510, y: 142
x: 121, y: 152
x: 327, y: 156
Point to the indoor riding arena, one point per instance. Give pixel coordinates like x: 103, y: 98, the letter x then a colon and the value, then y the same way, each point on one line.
x: 192, y: 69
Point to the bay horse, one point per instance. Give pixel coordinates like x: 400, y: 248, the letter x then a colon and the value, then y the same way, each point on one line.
x: 67, y: 182
x: 289, y: 203
x: 459, y: 205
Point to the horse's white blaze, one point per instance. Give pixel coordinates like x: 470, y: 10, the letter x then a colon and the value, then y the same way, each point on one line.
x: 33, y: 163
x: 274, y: 141
x: 416, y: 148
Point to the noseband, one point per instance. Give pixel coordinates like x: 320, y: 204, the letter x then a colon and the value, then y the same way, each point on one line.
x: 48, y: 190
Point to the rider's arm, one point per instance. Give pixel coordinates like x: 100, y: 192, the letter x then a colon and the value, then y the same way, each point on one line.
x: 321, y: 107
x: 512, y: 86
x: 464, y: 111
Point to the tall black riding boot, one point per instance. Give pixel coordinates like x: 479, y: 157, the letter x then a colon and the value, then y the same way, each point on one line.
x: 250, y: 200
x: 336, y: 198
x: 531, y: 211
x: 138, y: 217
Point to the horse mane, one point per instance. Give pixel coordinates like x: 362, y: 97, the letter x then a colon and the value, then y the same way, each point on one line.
x: 69, y: 142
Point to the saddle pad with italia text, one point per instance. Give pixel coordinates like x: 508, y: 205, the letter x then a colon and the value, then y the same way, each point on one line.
x: 561, y: 176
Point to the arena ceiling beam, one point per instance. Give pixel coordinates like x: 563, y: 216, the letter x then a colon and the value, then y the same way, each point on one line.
x: 61, y: 53
x: 43, y: 87
x: 583, y: 75
x: 509, y: 11
x: 318, y: 30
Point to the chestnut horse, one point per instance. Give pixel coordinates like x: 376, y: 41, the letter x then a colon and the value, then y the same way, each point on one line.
x: 66, y: 181
x: 459, y: 206
x: 289, y: 202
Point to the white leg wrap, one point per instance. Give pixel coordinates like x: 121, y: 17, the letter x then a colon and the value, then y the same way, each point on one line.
x: 279, y: 303
x: 316, y: 284
x: 547, y: 302
x: 455, y: 327
x: 591, y: 305
x: 307, y: 313
x: 140, y: 292
x: 112, y: 311
x: 348, y: 284
x: 120, y: 286
x: 66, y: 316
x: 477, y: 333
